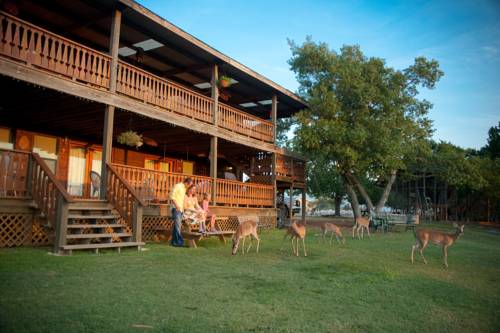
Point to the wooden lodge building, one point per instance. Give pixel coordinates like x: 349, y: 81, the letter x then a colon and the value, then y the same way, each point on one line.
x: 77, y: 75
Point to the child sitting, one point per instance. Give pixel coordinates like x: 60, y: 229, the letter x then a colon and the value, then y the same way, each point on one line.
x: 206, y: 209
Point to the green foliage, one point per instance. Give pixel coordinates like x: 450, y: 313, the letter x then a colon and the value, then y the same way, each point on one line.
x: 323, y: 180
x: 363, y: 115
x: 492, y: 149
x: 206, y: 289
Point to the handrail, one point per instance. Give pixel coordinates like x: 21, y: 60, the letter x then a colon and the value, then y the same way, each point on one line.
x: 52, y: 178
x: 237, y: 121
x: 126, y: 184
x: 14, y: 175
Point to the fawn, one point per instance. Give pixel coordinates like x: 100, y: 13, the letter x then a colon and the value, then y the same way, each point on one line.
x: 439, y: 238
x: 296, y: 231
x: 330, y: 227
x: 361, y: 223
x: 247, y: 228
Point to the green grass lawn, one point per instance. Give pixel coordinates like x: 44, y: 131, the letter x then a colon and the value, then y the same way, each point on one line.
x: 362, y: 286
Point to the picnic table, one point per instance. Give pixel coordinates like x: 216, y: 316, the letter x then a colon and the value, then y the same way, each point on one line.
x: 193, y: 236
x: 389, y: 222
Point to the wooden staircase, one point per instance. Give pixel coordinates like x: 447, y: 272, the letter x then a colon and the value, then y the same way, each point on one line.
x: 95, y: 224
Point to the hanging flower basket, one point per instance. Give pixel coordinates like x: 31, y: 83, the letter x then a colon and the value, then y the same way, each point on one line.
x: 130, y: 138
x: 224, y: 81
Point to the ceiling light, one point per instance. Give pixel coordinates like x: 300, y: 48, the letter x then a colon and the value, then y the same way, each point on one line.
x: 265, y: 102
x: 148, y: 44
x: 203, y: 85
x: 125, y: 51
x: 248, y: 105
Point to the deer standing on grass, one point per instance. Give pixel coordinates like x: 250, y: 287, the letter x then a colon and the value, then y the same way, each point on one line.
x: 296, y: 231
x: 247, y: 228
x: 439, y: 238
x: 330, y: 227
x: 361, y: 223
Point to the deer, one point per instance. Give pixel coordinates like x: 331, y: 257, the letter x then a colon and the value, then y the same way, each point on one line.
x: 361, y: 223
x: 439, y: 238
x: 330, y: 227
x: 247, y: 228
x: 296, y: 231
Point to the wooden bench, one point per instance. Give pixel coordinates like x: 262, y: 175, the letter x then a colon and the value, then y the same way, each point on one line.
x: 193, y: 237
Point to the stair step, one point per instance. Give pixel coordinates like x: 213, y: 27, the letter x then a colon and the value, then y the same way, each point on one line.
x: 83, y: 226
x: 106, y: 207
x: 101, y: 245
x: 93, y: 217
x: 81, y: 236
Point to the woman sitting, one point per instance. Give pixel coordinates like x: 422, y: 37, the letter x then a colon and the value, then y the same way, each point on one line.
x: 193, y: 213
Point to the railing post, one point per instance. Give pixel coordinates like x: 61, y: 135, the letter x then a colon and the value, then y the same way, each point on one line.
x: 274, y: 115
x: 215, y: 93
x: 61, y: 223
x: 109, y: 113
x: 137, y: 222
x: 273, y: 170
x: 291, y: 202
x: 29, y: 176
x: 303, y: 210
x: 213, y: 167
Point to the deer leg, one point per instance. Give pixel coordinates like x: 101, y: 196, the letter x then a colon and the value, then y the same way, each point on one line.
x: 331, y: 238
x: 413, y: 252
x: 422, y: 247
x: 368, y: 231
x: 445, y: 254
x: 258, y: 242
x: 354, y: 227
x: 304, y: 246
x: 243, y: 246
x: 249, y: 246
x: 293, y: 247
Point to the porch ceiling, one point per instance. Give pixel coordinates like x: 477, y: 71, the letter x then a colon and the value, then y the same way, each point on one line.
x: 182, y: 58
x: 47, y: 111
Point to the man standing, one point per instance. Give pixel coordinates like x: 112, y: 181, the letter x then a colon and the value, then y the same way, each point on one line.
x: 177, y: 196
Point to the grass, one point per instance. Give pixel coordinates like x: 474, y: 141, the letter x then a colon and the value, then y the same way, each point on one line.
x: 362, y: 286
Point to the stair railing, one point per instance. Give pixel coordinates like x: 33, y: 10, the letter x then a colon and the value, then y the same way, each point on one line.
x: 126, y: 201
x: 51, y: 198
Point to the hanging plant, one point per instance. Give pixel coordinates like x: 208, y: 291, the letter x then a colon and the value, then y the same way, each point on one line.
x: 224, y: 81
x: 130, y: 138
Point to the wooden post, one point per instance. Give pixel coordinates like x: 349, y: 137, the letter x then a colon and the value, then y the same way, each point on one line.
x: 109, y: 113
x: 274, y: 114
x: 291, y: 202
x: 61, y: 224
x: 137, y: 222
x: 213, y: 167
x: 215, y: 93
x: 273, y: 180
x: 304, y: 203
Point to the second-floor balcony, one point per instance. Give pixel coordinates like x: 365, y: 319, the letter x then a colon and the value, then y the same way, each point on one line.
x: 50, y: 52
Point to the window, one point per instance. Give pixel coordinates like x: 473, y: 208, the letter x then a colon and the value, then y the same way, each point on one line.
x: 5, y: 141
x: 96, y: 167
x: 149, y: 164
x: 164, y: 166
x: 76, y: 174
x: 187, y: 167
x: 46, y: 147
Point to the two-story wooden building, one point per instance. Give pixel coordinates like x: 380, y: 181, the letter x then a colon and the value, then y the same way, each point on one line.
x: 80, y: 79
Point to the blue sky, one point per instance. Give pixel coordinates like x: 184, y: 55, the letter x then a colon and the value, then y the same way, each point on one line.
x: 464, y: 36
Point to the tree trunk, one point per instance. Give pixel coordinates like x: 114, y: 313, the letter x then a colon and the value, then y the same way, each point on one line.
x: 363, y: 193
x: 385, y: 194
x: 354, y: 200
x: 338, y: 201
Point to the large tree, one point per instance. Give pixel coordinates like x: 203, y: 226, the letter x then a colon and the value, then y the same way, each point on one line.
x: 324, y: 182
x: 363, y: 116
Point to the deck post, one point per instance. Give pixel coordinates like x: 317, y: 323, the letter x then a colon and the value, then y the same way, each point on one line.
x: 303, y: 210
x: 274, y: 115
x: 213, y: 167
x: 61, y: 224
x: 290, y: 211
x: 273, y: 180
x: 109, y: 113
x: 215, y: 93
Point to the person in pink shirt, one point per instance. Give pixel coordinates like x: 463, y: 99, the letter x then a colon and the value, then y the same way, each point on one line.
x: 204, y: 206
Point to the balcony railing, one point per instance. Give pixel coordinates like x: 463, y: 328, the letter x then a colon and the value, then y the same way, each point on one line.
x: 155, y: 186
x: 288, y: 167
x: 45, y: 50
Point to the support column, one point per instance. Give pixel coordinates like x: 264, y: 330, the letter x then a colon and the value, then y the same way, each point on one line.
x: 215, y: 93
x: 303, y: 209
x: 213, y: 167
x: 109, y: 113
x: 291, y: 202
x: 274, y: 115
x: 273, y: 179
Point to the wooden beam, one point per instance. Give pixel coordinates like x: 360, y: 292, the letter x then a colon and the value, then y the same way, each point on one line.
x: 274, y: 114
x: 304, y: 204
x: 213, y: 167
x: 109, y: 113
x: 215, y: 93
x: 273, y: 168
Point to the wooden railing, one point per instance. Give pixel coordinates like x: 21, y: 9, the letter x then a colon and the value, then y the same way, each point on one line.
x: 236, y: 193
x: 13, y: 173
x: 38, y: 47
x: 240, y: 122
x: 48, y: 193
x: 155, y: 185
x: 142, y: 85
x: 289, y: 167
x: 126, y: 201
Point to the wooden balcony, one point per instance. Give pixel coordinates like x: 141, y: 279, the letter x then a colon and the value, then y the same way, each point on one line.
x: 154, y: 186
x: 290, y: 169
x: 44, y: 50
